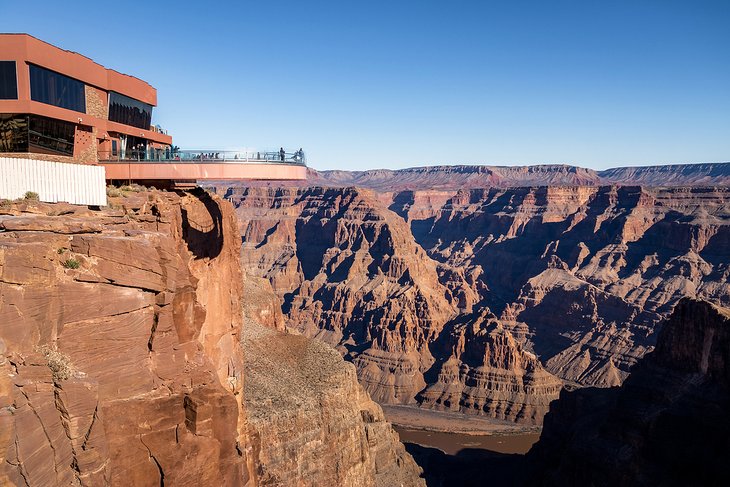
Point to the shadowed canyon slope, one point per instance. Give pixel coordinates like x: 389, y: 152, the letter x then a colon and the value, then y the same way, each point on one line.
x: 668, y: 424
x: 486, y: 300
x: 123, y: 362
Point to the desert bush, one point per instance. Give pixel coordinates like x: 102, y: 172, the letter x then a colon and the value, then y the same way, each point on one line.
x: 60, y: 250
x: 31, y: 195
x: 134, y: 188
x: 113, y: 192
x: 71, y: 264
x: 59, y: 363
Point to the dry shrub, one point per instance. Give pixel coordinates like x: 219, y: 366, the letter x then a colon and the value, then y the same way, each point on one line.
x: 59, y: 363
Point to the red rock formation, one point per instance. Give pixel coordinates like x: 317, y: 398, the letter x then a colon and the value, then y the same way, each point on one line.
x: 456, y: 177
x: 582, y: 276
x: 489, y: 373
x: 578, y: 276
x: 316, y: 424
x: 668, y: 424
x: 120, y: 358
x: 350, y: 273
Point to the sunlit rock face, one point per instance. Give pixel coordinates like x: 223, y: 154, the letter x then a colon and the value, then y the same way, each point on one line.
x: 120, y: 355
x: 315, y: 424
x: 572, y: 280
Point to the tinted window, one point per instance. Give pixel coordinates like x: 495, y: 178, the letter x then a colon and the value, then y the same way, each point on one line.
x: 47, y: 135
x: 56, y: 89
x: 129, y: 111
x: 8, y: 81
x: 13, y: 133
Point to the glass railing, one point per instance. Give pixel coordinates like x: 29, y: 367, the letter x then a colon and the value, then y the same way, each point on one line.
x: 205, y: 156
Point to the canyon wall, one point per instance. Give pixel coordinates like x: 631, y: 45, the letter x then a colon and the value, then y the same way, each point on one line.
x: 668, y: 423
x: 486, y: 300
x: 120, y: 344
x: 316, y: 425
x: 131, y: 354
x: 455, y: 177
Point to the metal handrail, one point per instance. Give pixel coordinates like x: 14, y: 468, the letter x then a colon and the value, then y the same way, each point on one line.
x: 204, y: 156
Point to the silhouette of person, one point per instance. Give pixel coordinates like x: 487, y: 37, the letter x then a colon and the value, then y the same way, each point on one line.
x: 282, y: 154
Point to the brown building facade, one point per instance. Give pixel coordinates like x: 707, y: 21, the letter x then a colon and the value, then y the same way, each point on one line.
x: 62, y: 106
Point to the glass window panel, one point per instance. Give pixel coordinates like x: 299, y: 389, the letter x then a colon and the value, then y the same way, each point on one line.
x: 129, y: 111
x: 56, y: 89
x: 13, y: 133
x: 46, y: 135
x: 8, y: 81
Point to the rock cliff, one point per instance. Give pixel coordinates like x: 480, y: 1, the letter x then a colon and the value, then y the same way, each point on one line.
x: 430, y: 178
x: 129, y: 356
x: 315, y: 423
x: 350, y: 273
x: 428, y: 291
x: 120, y: 352
x: 668, y: 424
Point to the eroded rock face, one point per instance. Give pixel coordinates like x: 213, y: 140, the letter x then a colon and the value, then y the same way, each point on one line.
x: 668, y: 424
x: 316, y: 424
x: 120, y: 356
x: 453, y: 178
x: 582, y: 276
x: 578, y: 277
x: 486, y: 370
x: 350, y: 273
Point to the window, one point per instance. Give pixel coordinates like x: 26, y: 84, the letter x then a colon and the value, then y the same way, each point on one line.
x: 114, y: 147
x: 129, y: 111
x: 8, y: 81
x: 13, y: 133
x: 56, y: 89
x: 49, y: 136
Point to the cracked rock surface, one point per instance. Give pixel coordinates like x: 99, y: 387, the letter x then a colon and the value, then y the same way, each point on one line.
x: 120, y: 358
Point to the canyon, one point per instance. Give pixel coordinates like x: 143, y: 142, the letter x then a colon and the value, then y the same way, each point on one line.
x: 249, y: 337
x: 476, y: 176
x: 486, y: 301
x: 123, y: 358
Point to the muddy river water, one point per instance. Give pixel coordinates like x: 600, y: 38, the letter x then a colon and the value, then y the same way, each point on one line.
x: 452, y: 443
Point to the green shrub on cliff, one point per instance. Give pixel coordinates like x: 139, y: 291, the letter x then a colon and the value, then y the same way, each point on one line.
x: 71, y: 264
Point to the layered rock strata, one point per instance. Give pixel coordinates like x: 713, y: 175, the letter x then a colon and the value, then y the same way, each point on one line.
x: 316, y: 424
x: 578, y: 277
x: 120, y: 355
x: 456, y: 177
x: 350, y: 273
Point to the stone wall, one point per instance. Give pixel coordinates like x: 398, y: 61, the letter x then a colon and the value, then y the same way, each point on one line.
x: 97, y: 104
x: 85, y: 145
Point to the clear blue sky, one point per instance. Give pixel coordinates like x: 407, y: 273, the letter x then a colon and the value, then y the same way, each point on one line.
x: 373, y: 84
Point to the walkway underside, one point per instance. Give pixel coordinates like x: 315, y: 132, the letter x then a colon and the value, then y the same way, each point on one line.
x: 200, y: 171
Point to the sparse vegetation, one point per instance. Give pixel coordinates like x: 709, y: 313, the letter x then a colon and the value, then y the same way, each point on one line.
x: 31, y: 196
x: 134, y: 188
x: 5, y: 203
x: 58, y: 362
x: 113, y: 191
x: 71, y: 263
x: 60, y: 251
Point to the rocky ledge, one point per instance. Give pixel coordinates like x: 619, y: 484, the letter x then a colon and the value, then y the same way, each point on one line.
x: 120, y: 361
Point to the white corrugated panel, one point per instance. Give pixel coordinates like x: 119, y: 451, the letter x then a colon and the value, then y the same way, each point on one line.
x: 53, y: 181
